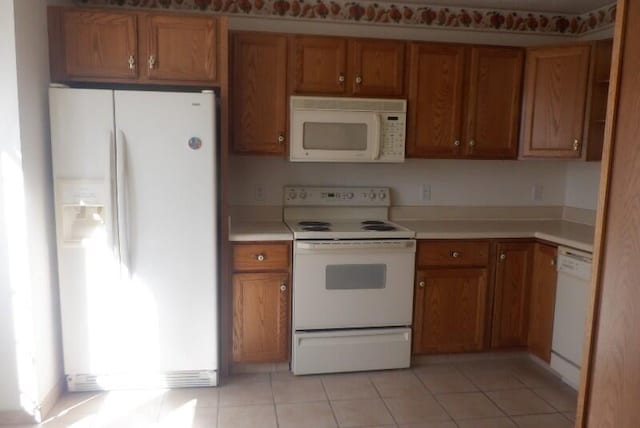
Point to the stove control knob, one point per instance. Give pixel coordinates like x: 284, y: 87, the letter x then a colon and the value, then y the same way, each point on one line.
x: 382, y: 196
x: 303, y: 195
x: 292, y: 195
x: 372, y: 195
x: 350, y: 195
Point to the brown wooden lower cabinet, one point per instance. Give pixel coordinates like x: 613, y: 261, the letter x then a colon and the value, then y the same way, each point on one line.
x: 512, y: 286
x: 261, y: 317
x: 450, y: 310
x: 543, y: 298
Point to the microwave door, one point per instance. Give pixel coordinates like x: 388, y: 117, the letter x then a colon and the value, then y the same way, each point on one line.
x: 339, y: 136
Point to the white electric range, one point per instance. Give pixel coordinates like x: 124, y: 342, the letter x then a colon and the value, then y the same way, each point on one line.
x: 353, y: 274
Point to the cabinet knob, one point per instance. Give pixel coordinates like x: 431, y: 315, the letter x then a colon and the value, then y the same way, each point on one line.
x: 456, y: 143
x: 281, y: 138
x: 503, y: 256
x: 341, y: 78
x: 283, y: 286
x: 358, y: 80
x: 455, y: 254
x: 472, y: 143
x: 576, y: 145
x: 260, y: 257
x: 421, y: 284
x: 152, y: 62
x: 553, y: 262
x: 132, y: 62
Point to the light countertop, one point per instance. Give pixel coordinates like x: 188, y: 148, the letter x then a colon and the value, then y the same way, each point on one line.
x: 575, y: 235
x: 560, y: 232
x: 247, y: 230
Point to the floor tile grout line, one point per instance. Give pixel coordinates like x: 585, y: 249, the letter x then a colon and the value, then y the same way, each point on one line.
x: 273, y: 400
x: 549, y: 401
x: 384, y: 403
x: 326, y: 394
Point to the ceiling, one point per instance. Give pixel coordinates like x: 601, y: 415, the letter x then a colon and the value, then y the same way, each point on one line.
x: 572, y: 7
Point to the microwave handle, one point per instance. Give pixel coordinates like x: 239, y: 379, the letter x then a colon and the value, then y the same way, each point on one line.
x: 377, y: 136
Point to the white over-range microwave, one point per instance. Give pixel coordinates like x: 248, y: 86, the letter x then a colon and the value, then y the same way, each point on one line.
x: 347, y: 129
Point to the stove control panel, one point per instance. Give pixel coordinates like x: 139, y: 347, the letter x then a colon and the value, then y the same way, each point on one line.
x: 337, y: 196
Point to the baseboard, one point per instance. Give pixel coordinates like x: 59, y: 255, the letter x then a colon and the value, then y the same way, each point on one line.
x: 50, y: 400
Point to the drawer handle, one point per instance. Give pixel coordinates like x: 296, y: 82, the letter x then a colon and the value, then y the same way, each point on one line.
x: 283, y: 286
x: 455, y: 254
x: 260, y: 257
x: 503, y: 256
x: 132, y: 62
x: 421, y: 284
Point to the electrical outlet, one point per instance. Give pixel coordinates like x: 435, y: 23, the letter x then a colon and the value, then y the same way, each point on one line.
x: 258, y: 193
x: 537, y: 192
x: 425, y: 192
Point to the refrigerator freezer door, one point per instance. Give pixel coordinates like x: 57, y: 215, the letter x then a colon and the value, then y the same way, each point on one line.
x: 82, y: 131
x: 167, y: 209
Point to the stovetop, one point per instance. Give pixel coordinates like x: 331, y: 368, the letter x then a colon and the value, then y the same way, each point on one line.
x: 313, y: 212
x: 347, y: 229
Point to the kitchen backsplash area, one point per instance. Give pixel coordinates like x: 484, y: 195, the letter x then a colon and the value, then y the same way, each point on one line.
x: 418, y: 182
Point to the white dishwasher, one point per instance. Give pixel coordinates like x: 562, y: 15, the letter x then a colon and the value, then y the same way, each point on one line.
x: 572, y: 294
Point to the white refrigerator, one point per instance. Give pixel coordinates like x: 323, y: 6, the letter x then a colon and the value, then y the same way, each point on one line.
x: 135, y: 200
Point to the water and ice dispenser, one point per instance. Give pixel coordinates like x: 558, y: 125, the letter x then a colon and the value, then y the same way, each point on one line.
x: 83, y: 206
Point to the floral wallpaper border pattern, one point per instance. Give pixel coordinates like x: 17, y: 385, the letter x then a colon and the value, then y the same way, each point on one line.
x: 398, y: 14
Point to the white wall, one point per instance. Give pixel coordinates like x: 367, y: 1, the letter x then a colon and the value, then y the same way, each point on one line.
x: 33, y: 82
x: 30, y: 352
x: 582, y: 181
x: 9, y: 153
x: 453, y: 182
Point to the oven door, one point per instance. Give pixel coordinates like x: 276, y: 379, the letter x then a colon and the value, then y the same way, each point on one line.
x: 353, y: 284
x: 335, y: 136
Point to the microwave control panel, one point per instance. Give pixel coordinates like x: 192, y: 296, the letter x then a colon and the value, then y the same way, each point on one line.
x: 393, y: 135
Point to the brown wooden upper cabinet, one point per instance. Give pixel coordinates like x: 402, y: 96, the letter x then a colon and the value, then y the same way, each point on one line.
x: 133, y: 47
x: 179, y: 48
x: 463, y: 101
x: 322, y: 65
x: 258, y: 93
x: 512, y: 289
x: 95, y: 44
x: 597, y: 100
x: 554, y: 101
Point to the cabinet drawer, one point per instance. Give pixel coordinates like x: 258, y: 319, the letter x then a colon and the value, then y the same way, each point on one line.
x: 453, y: 253
x: 260, y: 257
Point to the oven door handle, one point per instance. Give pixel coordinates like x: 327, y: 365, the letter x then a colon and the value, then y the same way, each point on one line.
x: 408, y: 244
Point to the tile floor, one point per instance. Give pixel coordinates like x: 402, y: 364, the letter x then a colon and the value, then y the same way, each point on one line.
x: 470, y: 394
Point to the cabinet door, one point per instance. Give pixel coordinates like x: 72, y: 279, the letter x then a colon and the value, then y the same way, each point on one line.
x: 543, y: 298
x: 377, y: 67
x: 319, y: 65
x: 180, y: 48
x: 436, y: 75
x: 260, y: 317
x: 554, y: 101
x: 450, y: 310
x: 99, y: 45
x: 259, y: 94
x: 493, y: 103
x: 598, y: 97
x: 511, y: 298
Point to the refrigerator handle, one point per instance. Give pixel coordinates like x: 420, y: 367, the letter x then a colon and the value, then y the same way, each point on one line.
x: 113, y: 194
x: 122, y: 205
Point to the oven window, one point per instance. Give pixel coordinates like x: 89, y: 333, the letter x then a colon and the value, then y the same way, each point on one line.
x: 334, y: 136
x: 356, y: 277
